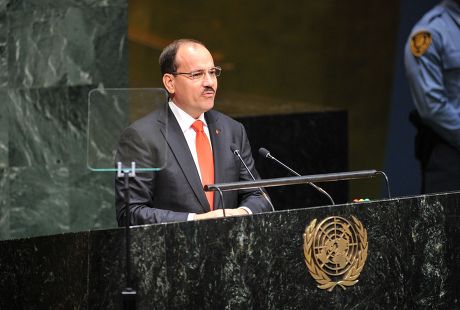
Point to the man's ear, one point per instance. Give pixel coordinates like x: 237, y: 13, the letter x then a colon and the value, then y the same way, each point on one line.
x: 168, y: 82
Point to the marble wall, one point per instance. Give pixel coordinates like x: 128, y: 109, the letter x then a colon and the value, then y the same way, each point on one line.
x: 52, y: 53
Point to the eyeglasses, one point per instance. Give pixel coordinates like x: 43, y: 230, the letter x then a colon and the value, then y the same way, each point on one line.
x: 200, y: 74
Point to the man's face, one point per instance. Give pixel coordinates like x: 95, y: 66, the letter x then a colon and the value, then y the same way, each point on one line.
x: 194, y: 96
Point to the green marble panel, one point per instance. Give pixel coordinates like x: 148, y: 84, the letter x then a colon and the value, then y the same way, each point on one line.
x: 4, y: 129
x: 50, y: 4
x: 38, y: 201
x: 67, y: 46
x: 3, y: 49
x: 91, y: 199
x: 52, y: 53
x: 48, y: 126
x: 55, y: 199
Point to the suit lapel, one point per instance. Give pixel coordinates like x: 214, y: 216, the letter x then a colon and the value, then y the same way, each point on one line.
x: 181, y: 152
x: 218, y: 151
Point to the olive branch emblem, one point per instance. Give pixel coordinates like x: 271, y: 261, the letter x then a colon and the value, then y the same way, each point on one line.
x: 335, y: 244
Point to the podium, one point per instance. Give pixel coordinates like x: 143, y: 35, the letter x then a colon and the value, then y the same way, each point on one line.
x: 251, y: 262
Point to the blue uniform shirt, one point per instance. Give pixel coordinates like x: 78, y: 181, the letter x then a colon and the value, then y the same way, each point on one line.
x: 434, y: 76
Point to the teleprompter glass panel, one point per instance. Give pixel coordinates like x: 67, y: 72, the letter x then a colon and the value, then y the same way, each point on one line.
x: 116, y: 137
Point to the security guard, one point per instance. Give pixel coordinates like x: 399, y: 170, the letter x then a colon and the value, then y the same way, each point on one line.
x: 432, y: 60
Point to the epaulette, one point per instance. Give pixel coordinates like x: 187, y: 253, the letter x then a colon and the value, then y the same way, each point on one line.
x: 420, y: 42
x: 421, y: 37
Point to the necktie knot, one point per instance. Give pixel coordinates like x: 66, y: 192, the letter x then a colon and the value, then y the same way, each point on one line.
x: 198, y: 126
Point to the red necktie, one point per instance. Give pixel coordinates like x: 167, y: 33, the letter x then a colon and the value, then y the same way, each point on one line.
x: 205, y: 159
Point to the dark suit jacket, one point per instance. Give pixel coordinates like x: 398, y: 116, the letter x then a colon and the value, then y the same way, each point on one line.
x: 170, y: 194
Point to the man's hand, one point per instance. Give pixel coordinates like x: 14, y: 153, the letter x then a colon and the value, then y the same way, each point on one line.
x: 235, y: 212
x: 219, y: 213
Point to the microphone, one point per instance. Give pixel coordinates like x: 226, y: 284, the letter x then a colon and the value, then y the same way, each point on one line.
x: 265, y: 153
x: 235, y: 151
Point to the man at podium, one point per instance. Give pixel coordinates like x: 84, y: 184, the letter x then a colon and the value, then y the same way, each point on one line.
x: 198, y: 143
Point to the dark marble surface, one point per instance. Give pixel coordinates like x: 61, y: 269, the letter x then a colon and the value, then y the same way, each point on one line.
x: 48, y: 272
x: 47, y: 126
x: 66, y: 46
x: 52, y: 53
x: 253, y: 262
x: 4, y: 203
x: 3, y: 49
x: 91, y: 200
x: 48, y: 189
x: 51, y: 188
x: 4, y: 129
x: 50, y: 4
x: 150, y: 275
x: 452, y: 251
x: 310, y: 143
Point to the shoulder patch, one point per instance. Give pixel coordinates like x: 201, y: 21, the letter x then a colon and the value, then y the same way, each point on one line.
x: 420, y: 42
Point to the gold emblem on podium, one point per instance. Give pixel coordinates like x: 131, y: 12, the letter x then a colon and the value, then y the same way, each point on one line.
x: 335, y: 251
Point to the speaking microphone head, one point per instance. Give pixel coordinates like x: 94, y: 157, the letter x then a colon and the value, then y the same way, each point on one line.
x: 234, y: 148
x: 264, y: 152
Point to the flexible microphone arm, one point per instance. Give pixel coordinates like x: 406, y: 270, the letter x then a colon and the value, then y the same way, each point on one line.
x: 265, y: 153
x: 386, y: 182
x: 237, y: 153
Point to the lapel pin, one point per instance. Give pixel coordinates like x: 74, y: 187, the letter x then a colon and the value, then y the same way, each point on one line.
x: 217, y: 131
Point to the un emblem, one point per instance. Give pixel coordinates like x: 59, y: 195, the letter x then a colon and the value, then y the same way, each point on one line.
x: 335, y: 251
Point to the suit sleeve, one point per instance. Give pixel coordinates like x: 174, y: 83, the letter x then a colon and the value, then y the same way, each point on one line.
x: 132, y: 147
x: 426, y: 81
x: 253, y: 198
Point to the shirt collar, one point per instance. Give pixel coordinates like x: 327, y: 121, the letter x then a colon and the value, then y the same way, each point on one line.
x: 185, y: 120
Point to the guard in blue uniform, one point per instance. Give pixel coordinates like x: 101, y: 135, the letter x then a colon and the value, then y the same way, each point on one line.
x: 432, y: 60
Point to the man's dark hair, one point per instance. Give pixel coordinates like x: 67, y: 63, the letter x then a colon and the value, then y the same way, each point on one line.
x: 168, y: 55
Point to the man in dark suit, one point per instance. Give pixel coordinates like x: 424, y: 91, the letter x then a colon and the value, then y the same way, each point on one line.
x: 197, y: 140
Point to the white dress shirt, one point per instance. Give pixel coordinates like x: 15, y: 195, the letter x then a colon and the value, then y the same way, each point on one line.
x: 185, y: 122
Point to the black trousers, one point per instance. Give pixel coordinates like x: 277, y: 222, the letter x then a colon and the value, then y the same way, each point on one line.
x: 439, y: 161
x: 442, y: 170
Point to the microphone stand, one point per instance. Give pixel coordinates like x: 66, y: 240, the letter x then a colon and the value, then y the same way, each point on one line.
x: 221, y: 199
x: 237, y: 153
x: 327, y: 177
x: 128, y: 293
x: 386, y: 182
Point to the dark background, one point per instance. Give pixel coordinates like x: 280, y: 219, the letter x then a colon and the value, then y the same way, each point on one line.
x: 342, y: 54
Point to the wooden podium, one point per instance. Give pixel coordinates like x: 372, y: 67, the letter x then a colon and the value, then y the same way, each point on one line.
x: 252, y: 262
